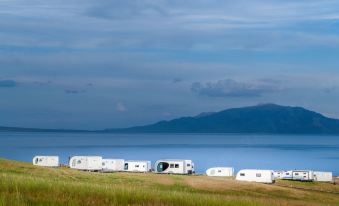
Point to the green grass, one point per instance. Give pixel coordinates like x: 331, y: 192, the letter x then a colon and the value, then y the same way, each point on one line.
x: 24, y: 184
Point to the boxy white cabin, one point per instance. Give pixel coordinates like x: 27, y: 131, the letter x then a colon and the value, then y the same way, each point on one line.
x: 323, y: 176
x: 303, y: 175
x: 220, y: 172
x: 113, y: 165
x: 262, y: 176
x: 137, y: 166
x: 46, y: 161
x: 87, y: 163
x: 169, y: 166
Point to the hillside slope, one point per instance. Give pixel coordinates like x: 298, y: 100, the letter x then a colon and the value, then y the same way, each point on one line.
x: 24, y: 184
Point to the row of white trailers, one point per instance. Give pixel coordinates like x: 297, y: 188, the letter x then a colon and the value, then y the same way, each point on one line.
x: 97, y: 163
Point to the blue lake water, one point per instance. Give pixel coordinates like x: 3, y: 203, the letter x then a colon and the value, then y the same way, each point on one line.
x: 206, y: 150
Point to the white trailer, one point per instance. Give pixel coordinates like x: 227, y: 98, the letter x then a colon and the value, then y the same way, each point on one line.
x: 262, y: 176
x: 278, y: 174
x: 86, y: 163
x: 113, y: 165
x: 137, y: 166
x: 169, y: 166
x: 323, y: 176
x: 303, y: 175
x: 220, y: 172
x: 46, y: 161
x: 281, y: 174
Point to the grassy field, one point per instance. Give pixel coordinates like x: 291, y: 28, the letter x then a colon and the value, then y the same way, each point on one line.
x: 24, y: 184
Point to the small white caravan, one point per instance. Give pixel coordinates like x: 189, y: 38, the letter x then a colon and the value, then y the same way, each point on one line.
x: 87, y: 163
x: 46, y: 161
x: 280, y: 174
x: 220, y: 172
x: 113, y: 165
x: 303, y: 175
x: 323, y: 176
x: 287, y: 175
x: 262, y: 176
x: 137, y: 166
x: 169, y: 166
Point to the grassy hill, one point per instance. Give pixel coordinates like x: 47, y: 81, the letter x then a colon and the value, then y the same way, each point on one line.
x: 24, y: 184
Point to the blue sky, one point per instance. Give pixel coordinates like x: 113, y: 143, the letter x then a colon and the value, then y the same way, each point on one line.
x: 105, y: 64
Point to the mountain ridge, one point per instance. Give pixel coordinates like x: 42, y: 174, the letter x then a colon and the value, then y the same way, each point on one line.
x: 259, y: 119
x: 263, y: 118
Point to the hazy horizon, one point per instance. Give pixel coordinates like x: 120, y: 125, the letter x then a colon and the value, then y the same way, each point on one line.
x: 111, y: 64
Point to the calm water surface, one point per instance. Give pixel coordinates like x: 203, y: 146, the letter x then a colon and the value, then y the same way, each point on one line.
x: 206, y: 150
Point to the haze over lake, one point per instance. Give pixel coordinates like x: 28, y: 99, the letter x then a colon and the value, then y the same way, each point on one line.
x: 206, y: 150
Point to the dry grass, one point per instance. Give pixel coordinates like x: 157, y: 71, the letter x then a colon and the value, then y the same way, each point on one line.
x: 24, y: 184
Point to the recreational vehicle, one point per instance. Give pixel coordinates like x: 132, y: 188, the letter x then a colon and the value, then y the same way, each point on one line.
x: 303, y: 175
x: 87, y: 163
x: 113, y: 165
x: 174, y: 166
x: 323, y: 176
x: 263, y: 176
x: 287, y: 175
x: 46, y: 161
x: 220, y: 172
x: 137, y: 166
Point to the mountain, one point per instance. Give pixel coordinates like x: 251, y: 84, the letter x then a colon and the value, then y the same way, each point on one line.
x: 261, y: 119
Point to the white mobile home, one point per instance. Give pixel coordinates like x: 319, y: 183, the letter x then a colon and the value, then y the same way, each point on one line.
x: 168, y: 166
x: 323, y: 176
x: 137, y: 166
x: 87, y: 163
x: 46, y: 161
x: 280, y: 174
x: 220, y: 172
x: 303, y: 175
x: 113, y: 165
x: 263, y: 176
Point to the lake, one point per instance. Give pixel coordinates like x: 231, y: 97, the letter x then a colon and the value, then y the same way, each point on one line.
x: 206, y: 150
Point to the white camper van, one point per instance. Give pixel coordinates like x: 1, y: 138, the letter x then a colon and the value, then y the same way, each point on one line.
x: 46, y: 161
x: 220, y: 172
x: 263, y: 176
x: 323, y: 176
x: 168, y: 166
x: 137, y: 166
x: 87, y: 163
x: 303, y: 175
x: 113, y: 165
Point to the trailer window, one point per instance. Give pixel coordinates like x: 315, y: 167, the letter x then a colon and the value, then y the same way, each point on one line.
x: 103, y: 164
x: 79, y: 162
x: 258, y: 175
x: 136, y: 165
x: 242, y: 174
x: 176, y: 165
x: 40, y: 160
x: 296, y: 173
x: 287, y: 173
x: 188, y: 165
x: 171, y: 165
x: 36, y: 161
x: 126, y: 166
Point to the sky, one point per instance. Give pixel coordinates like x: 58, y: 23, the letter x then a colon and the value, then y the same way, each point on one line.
x: 95, y: 64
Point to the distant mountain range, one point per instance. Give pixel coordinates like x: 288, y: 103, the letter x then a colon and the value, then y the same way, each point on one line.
x: 261, y: 119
